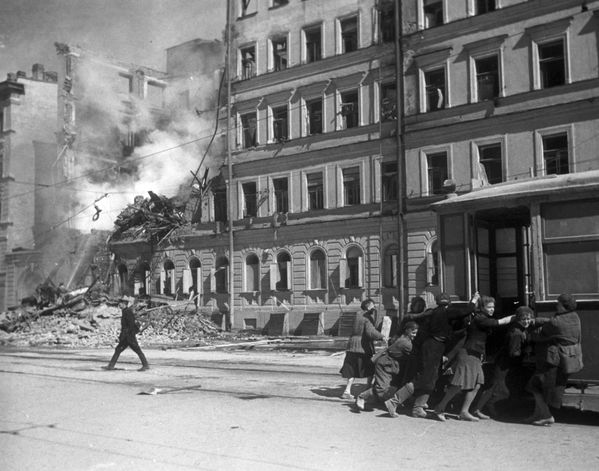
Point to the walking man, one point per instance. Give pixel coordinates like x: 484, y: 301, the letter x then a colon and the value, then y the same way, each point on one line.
x: 127, y: 338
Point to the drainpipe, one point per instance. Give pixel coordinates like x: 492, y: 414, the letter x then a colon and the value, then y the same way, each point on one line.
x: 230, y: 171
x: 399, y: 136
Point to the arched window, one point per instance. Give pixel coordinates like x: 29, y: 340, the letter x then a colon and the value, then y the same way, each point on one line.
x: 351, y: 269
x: 220, y: 278
x: 252, y: 273
x: 280, y: 273
x: 192, y: 277
x: 318, y: 270
x: 142, y: 279
x: 167, y: 278
x: 390, y: 267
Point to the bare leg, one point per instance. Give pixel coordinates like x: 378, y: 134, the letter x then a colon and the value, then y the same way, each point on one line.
x: 442, y: 405
x: 465, y: 412
x: 347, y: 393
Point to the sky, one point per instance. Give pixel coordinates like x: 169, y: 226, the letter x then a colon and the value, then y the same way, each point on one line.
x: 136, y: 31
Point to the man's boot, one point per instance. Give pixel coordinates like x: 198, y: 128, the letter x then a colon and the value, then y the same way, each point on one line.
x: 399, y: 398
x: 419, y: 404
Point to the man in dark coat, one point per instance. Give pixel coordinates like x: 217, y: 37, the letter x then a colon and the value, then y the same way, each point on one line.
x: 127, y: 338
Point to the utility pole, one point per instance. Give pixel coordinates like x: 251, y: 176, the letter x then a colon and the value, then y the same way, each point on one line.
x: 401, y: 158
x: 231, y: 319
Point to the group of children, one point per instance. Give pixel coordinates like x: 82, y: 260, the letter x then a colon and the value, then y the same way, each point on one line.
x: 446, y: 341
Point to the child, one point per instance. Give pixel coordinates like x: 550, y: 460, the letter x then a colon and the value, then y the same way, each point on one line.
x: 509, y: 356
x: 388, y: 365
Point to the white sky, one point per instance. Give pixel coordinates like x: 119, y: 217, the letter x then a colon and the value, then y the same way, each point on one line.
x: 137, y: 31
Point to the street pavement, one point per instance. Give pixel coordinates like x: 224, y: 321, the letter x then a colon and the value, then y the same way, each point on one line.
x: 244, y: 408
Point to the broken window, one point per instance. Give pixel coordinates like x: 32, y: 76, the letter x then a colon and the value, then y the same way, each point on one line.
x: 390, y: 183
x: 318, y: 273
x: 252, y: 273
x: 388, y: 101
x: 487, y: 78
x: 279, y: 53
x: 354, y: 268
x: 220, y: 205
x: 387, y: 21
x: 313, y: 44
x: 390, y: 267
x: 250, y: 200
x: 221, y: 275
x: 552, y: 64
x: 284, y: 272
x: 555, y: 154
x: 485, y: 6
x: 433, y: 13
x: 281, y: 187
x: 280, y: 124
x: 248, y: 62
x: 315, y: 190
x: 248, y: 130
x: 349, y: 34
x: 247, y: 7
x: 436, y: 171
x: 167, y: 278
x: 350, y: 112
x: 489, y: 157
x: 351, y: 186
x: 314, y: 111
x: 434, y: 82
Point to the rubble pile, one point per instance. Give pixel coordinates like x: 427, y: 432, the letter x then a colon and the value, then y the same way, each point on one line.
x: 99, y: 325
x: 152, y: 219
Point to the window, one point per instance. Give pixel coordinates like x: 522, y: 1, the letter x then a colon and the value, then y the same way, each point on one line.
x: 485, y: 6
x: 318, y: 270
x: 434, y: 82
x: 247, y: 7
x: 221, y: 275
x: 390, y: 183
x: 351, y: 186
x: 487, y: 78
x: 433, y: 13
x: 314, y: 110
x: 279, y: 3
x: 313, y: 44
x: 280, y: 126
x: 220, y: 205
x: 252, y: 273
x: 437, y: 172
x: 1, y: 162
x: 194, y: 279
x: 248, y: 130
x: 167, y: 278
x: 555, y: 154
x: 388, y: 101
x: 571, y: 247
x: 387, y: 21
x: 279, y: 53
x: 282, y: 272
x: 315, y: 190
x: 351, y: 269
x: 350, y: 112
x: 281, y: 188
x: 390, y: 268
x: 552, y: 66
x: 250, y: 199
x: 490, y: 158
x: 349, y: 34
x: 248, y: 62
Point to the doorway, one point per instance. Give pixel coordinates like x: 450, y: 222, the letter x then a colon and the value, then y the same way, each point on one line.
x: 502, y: 256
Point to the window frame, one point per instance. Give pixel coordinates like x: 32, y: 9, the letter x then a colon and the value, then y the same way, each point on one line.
x: 241, y: 140
x: 340, y: 48
x: 306, y: 102
x: 351, y: 274
x: 362, y: 174
x: 424, y: 99
x: 424, y: 168
x: 272, y: 192
x: 309, y: 277
x: 255, y: 271
x: 357, y: 114
x: 240, y: 66
x: 271, y: 52
x: 242, y: 209
x: 554, y: 131
x: 306, y: 189
x: 272, y: 138
x: 475, y: 155
x: 304, y: 42
x: 421, y: 16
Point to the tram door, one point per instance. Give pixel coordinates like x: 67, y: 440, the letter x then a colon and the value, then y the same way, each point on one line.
x: 503, y: 261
